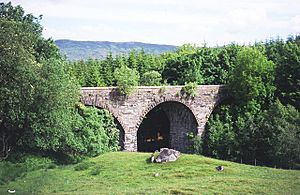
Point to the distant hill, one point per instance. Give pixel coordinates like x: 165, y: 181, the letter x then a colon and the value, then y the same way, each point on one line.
x: 76, y: 50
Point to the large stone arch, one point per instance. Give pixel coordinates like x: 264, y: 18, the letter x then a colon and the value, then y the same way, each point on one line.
x: 181, y: 120
x: 159, y: 101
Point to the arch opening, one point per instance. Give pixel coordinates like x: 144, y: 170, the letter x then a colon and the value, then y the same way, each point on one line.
x: 166, y: 125
x: 154, y: 131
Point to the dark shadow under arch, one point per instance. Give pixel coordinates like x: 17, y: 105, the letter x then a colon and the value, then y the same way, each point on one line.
x: 154, y: 131
x: 166, y: 125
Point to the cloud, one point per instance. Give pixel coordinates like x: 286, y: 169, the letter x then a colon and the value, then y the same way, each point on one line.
x: 167, y: 21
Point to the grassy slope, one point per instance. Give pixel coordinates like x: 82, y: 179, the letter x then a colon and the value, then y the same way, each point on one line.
x: 128, y: 173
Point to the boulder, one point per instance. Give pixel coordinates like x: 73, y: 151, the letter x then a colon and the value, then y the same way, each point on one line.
x: 220, y: 168
x: 167, y: 155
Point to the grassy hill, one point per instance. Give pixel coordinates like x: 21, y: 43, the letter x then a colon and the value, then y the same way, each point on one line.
x: 76, y: 50
x: 129, y: 173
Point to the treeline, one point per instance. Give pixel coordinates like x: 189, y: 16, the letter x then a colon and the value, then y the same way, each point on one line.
x: 39, y: 100
x: 260, y: 123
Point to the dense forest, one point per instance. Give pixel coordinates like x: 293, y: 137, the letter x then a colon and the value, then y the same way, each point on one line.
x: 39, y: 93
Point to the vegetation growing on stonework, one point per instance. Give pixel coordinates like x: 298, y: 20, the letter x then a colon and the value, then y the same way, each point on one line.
x: 126, y: 79
x: 189, y: 90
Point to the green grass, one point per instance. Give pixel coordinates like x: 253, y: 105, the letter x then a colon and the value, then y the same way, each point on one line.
x: 129, y: 173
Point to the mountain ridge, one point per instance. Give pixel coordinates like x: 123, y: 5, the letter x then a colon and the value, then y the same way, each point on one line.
x: 82, y: 50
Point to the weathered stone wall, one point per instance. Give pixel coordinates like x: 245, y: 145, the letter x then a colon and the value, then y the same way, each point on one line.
x: 182, y: 121
x: 131, y: 110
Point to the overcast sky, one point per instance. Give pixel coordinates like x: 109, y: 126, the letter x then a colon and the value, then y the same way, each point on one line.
x: 175, y: 22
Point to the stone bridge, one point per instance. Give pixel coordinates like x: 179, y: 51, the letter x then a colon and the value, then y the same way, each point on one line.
x: 154, y: 117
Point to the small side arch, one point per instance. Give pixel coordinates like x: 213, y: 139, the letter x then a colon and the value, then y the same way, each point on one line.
x: 118, y: 122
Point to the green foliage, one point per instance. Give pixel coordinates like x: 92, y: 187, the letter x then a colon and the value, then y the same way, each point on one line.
x: 9, y: 172
x: 281, y: 127
x: 196, y: 147
x: 162, y: 89
x: 37, y: 96
x: 92, y: 74
x: 151, y: 78
x: 96, y: 170
x: 96, y: 132
x: 252, y: 79
x: 286, y: 56
x: 83, y: 166
x: 107, y: 67
x: 220, y: 137
x: 183, y: 66
x: 127, y: 79
x: 189, y: 90
x: 53, y: 114
x: 32, y: 162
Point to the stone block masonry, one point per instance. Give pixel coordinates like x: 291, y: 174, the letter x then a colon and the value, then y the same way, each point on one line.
x: 131, y: 110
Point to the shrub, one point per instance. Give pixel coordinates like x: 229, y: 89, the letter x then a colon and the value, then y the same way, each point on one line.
x: 96, y: 132
x: 127, y: 79
x: 51, y: 166
x: 32, y: 162
x: 189, y: 89
x: 162, y: 90
x: 196, y: 147
x: 151, y: 78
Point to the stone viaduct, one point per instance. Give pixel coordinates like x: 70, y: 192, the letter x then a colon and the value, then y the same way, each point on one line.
x: 184, y: 114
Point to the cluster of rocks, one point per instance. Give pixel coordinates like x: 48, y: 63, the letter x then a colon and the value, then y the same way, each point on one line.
x: 169, y: 155
x: 165, y: 155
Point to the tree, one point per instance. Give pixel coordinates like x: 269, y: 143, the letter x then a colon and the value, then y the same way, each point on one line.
x: 92, y: 74
x: 252, y: 80
x: 151, y: 78
x: 17, y: 80
x: 281, y: 129
x: 107, y: 70
x: 127, y: 79
x: 37, y: 95
x: 183, y: 66
x: 286, y: 56
x: 220, y: 137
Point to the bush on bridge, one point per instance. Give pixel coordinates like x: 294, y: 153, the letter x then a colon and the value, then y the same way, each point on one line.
x: 127, y: 79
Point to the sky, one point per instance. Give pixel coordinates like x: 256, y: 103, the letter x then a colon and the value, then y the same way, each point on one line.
x: 174, y: 22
